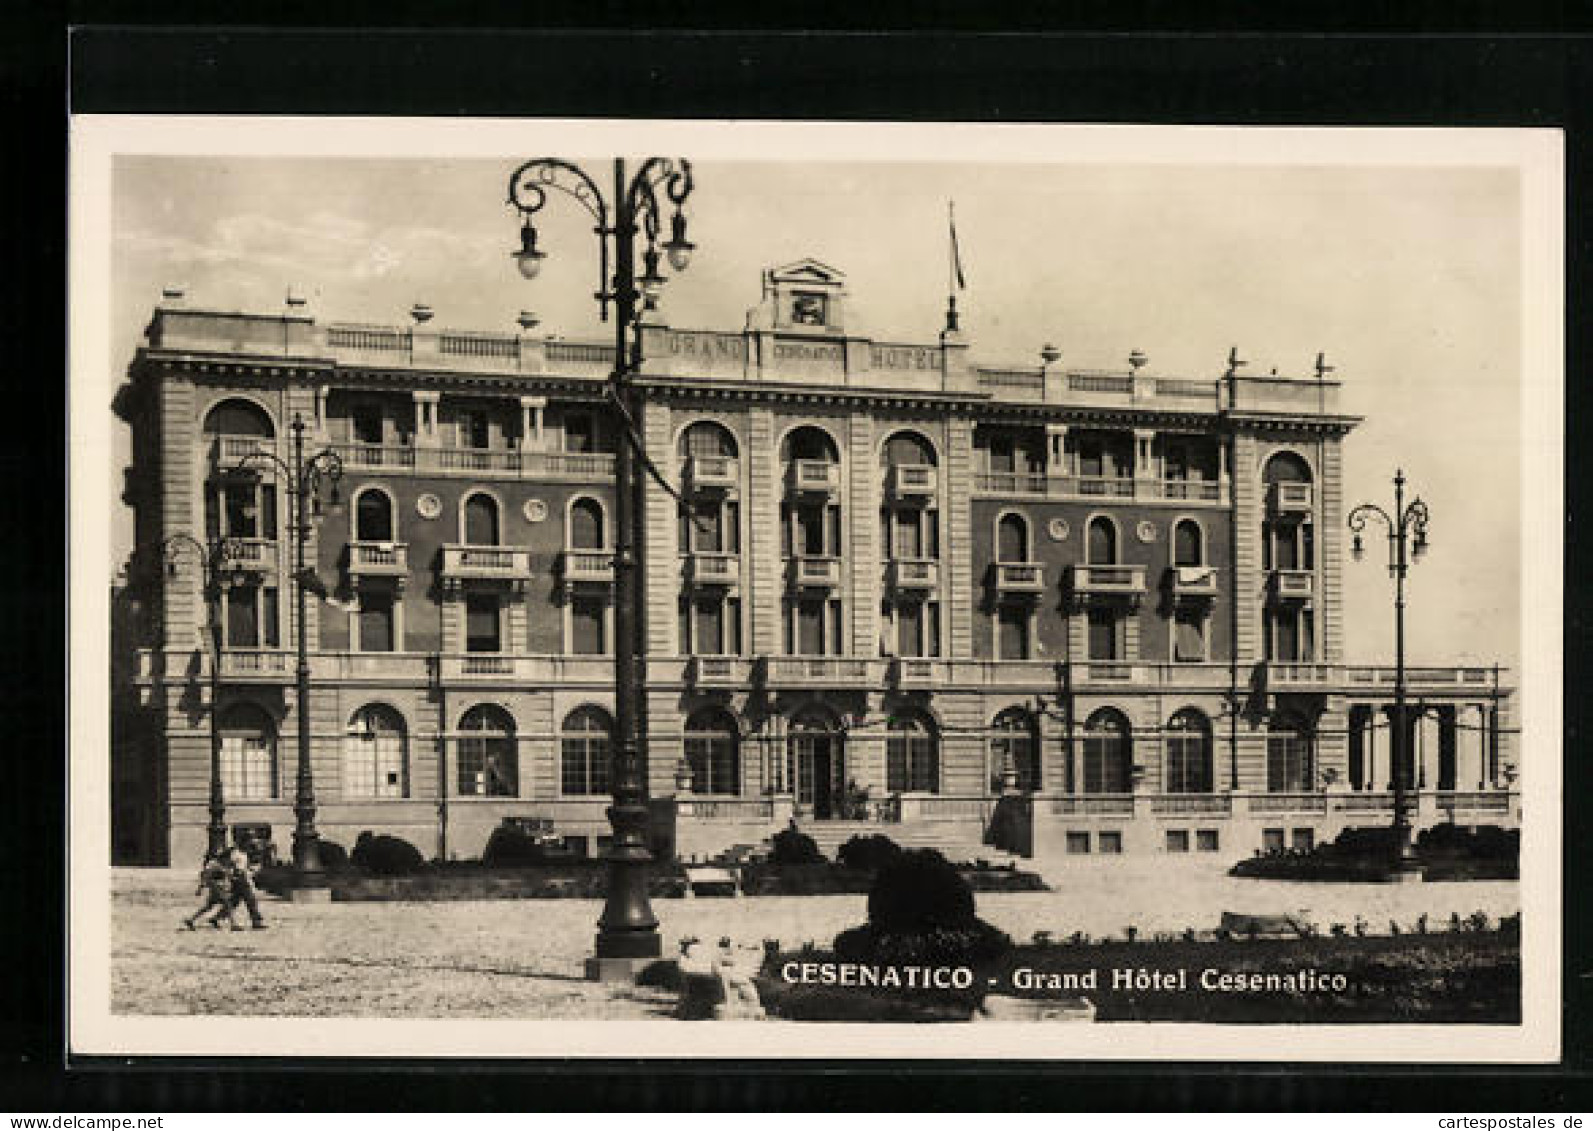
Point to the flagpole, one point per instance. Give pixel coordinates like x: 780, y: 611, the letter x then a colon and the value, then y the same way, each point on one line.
x: 952, y: 271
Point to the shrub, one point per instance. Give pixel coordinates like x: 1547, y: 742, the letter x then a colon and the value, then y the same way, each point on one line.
x: 334, y: 857
x: 868, y: 853
x: 793, y: 846
x: 509, y: 847
x: 386, y: 855
x: 921, y: 911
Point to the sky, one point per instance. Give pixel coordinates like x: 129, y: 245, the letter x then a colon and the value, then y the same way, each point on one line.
x: 1407, y: 277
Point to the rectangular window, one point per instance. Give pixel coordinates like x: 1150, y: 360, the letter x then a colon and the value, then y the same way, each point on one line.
x: 1206, y: 840
x: 1288, y: 763
x: 1002, y: 454
x: 243, y: 616
x: 475, y: 431
x: 483, y: 632
x: 1103, y: 634
x: 373, y: 764
x: 1177, y: 840
x: 708, y: 631
x: 910, y: 630
x: 1272, y: 840
x: 810, y: 628
x: 1012, y: 632
x: 909, y: 535
x: 1110, y: 842
x: 1302, y: 840
x: 587, y: 615
x: 910, y: 763
x: 579, y: 434
x: 376, y: 622
x: 1078, y: 844
x: 1189, y: 636
x: 248, y: 768
x: 268, y: 617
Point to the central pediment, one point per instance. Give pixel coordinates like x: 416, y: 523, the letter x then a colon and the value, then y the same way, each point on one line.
x: 808, y: 272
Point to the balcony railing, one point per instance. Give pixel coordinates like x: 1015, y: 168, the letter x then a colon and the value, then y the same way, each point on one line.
x: 913, y: 574
x: 741, y: 810
x: 718, y: 671
x: 1092, y: 805
x: 706, y: 567
x: 1299, y: 675
x: 268, y: 667
x: 1051, y: 485
x: 1291, y: 498
x: 1191, y: 804
x: 1108, y: 580
x: 255, y: 555
x: 712, y: 473
x: 595, y: 567
x: 486, y: 562
x: 1292, y: 585
x: 1103, y: 486
x: 1020, y: 577
x: 910, y: 483
x: 811, y: 571
x: 1288, y: 803
x: 815, y: 476
x: 378, y: 559
x: 1364, y: 802
x: 829, y: 670
x: 910, y: 671
x: 229, y: 450
x: 1192, y: 583
x: 504, y: 462
x: 477, y: 459
x: 1474, y: 801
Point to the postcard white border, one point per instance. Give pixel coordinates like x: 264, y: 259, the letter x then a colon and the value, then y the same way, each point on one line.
x: 96, y: 140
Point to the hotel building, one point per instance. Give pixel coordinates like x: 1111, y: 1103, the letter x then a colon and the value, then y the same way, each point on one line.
x: 887, y: 587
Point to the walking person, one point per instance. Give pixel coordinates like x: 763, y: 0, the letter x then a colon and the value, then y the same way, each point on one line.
x: 215, y: 884
x: 242, y: 870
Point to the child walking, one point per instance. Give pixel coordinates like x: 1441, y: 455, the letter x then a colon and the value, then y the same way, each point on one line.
x: 215, y: 884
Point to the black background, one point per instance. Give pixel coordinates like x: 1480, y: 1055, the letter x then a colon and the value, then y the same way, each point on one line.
x: 1401, y: 64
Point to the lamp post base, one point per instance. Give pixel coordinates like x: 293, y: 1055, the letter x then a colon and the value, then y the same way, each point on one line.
x: 616, y: 969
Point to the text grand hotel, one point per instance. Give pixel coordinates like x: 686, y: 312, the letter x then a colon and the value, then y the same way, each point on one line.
x: 1067, y: 611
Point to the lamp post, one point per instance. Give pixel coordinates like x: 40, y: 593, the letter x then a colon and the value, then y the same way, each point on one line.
x: 1407, y: 541
x: 303, y: 478
x: 214, y: 557
x: 627, y: 929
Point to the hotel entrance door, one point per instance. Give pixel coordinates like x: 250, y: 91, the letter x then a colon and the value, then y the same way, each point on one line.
x: 820, y: 760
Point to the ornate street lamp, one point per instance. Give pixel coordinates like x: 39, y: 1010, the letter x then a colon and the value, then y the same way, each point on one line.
x: 627, y: 933
x: 303, y: 479
x: 217, y: 560
x: 1407, y: 541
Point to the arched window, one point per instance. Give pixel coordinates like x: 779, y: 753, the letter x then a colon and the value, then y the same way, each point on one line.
x: 248, y: 754
x: 237, y: 417
x: 1286, y: 467
x: 1102, y: 542
x: 811, y: 443
x: 1188, y: 545
x: 489, y: 764
x: 907, y: 449
x: 375, y: 758
x: 1014, y: 738
x: 1107, y: 753
x: 1012, y: 539
x: 586, y: 525
x: 481, y: 520
x: 912, y: 756
x: 585, y: 741
x: 1290, y: 755
x: 707, y: 440
x: 1189, y: 761
x: 713, y: 751
x: 373, y: 517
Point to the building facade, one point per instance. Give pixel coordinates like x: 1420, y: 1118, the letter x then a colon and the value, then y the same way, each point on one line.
x: 1078, y: 612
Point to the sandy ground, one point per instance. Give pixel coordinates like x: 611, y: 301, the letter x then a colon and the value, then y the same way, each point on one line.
x: 523, y: 958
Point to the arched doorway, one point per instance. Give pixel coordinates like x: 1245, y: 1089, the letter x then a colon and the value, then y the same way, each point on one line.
x: 817, y: 750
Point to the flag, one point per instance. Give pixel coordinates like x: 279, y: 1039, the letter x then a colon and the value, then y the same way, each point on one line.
x: 956, y: 256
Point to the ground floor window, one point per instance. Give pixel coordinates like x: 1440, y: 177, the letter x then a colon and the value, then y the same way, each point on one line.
x: 1177, y: 840
x: 1106, y: 753
x: 1289, y: 759
x: 1189, y: 753
x: 1014, y: 740
x: 585, y: 748
x: 912, y: 757
x: 488, y: 762
x: 374, y: 762
x: 248, y: 740
x: 713, y: 753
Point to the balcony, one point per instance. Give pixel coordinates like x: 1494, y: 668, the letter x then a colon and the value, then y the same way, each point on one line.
x: 486, y: 563
x: 1020, y: 577
x: 228, y: 450
x: 822, y: 671
x: 1291, y: 585
x: 718, y: 671
x: 910, y: 671
x: 910, y: 483
x: 378, y: 559
x: 1297, y: 675
x: 1290, y: 498
x: 587, y: 567
x: 815, y: 477
x: 251, y: 555
x: 1108, y: 581
x: 256, y: 667
x: 913, y: 575
x: 1192, y: 583
x: 711, y: 473
x: 713, y: 568
x: 809, y: 571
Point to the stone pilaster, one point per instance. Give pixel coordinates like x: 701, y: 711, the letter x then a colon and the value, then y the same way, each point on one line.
x: 661, y: 578
x: 1249, y: 581
x: 1330, y: 546
x: 765, y: 488
x: 956, y: 545
x: 863, y: 553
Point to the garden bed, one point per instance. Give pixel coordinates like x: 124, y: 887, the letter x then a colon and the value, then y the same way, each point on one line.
x: 1445, y: 853
x: 444, y: 882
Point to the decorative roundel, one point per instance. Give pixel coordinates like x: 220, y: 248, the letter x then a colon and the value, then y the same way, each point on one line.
x: 1058, y: 529
x: 1146, y: 531
x: 428, y: 506
x: 535, y: 510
